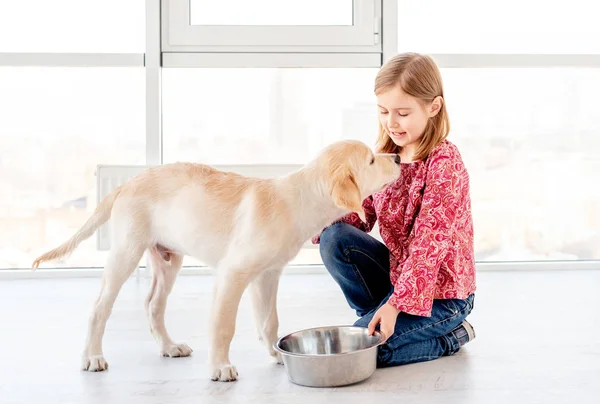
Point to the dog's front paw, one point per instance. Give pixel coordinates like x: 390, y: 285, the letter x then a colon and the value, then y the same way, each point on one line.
x: 176, y: 350
x: 275, y: 356
x: 95, y: 363
x: 224, y: 373
x: 278, y: 359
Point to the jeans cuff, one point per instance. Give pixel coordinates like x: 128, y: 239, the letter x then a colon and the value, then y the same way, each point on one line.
x: 451, y: 342
x: 384, y: 354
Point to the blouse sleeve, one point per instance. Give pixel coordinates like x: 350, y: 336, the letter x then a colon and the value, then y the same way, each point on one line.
x: 353, y: 219
x: 414, y: 288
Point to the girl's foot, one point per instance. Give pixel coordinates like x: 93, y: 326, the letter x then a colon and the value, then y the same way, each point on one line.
x: 464, y: 333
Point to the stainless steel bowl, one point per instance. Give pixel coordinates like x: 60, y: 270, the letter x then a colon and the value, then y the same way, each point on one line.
x: 329, y: 356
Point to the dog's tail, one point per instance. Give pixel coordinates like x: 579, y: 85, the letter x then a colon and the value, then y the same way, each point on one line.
x: 100, y: 216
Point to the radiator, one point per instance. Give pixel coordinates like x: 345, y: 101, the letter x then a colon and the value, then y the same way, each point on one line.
x: 109, y: 177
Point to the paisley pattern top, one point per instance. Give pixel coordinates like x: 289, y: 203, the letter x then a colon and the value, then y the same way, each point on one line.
x: 425, y: 221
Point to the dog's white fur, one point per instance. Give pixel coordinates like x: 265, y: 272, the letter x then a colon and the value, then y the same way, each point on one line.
x: 246, y: 228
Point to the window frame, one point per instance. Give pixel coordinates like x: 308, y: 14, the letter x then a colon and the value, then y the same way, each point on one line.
x: 363, y: 36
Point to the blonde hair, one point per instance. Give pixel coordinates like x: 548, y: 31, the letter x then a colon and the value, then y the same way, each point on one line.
x: 419, y: 77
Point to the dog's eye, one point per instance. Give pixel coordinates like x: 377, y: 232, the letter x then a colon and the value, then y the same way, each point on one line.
x: 373, y: 160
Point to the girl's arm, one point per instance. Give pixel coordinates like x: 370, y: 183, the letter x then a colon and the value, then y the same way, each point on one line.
x: 446, y: 186
x: 353, y: 219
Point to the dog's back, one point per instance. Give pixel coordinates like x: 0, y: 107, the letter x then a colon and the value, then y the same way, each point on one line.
x: 200, y: 211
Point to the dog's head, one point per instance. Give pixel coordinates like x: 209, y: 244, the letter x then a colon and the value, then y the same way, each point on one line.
x: 352, y: 172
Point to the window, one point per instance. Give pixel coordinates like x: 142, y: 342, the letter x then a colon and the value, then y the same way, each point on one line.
x: 531, y: 147
x: 281, y: 26
x: 271, y: 12
x: 271, y: 82
x: 525, y: 123
x: 530, y: 138
x: 57, y: 125
x: 264, y: 116
x: 72, y: 26
x: 512, y: 26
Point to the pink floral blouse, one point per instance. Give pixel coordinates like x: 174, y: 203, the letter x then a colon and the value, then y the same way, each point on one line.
x: 425, y: 221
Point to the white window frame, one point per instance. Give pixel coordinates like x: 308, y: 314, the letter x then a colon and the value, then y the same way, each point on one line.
x: 158, y: 56
x: 361, y: 37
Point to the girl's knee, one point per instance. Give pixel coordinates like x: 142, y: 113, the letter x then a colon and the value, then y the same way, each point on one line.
x: 365, y: 319
x: 334, y: 240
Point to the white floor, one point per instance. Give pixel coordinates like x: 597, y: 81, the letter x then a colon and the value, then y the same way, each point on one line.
x: 538, y: 341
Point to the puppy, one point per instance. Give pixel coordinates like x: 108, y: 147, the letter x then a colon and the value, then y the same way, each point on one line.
x: 248, y: 229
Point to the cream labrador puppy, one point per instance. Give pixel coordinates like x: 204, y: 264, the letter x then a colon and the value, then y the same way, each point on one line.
x: 248, y: 229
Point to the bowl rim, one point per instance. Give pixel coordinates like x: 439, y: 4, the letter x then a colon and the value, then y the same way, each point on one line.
x: 280, y: 350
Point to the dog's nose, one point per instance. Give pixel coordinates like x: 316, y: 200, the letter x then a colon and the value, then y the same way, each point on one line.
x: 397, y: 159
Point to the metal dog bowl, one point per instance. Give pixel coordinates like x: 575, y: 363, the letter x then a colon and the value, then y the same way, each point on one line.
x: 329, y: 356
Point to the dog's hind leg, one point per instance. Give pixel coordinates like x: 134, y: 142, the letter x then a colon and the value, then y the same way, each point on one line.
x: 122, y: 260
x: 165, y: 266
x: 264, y: 301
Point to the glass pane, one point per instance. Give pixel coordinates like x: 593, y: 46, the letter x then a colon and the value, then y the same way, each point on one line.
x: 57, y: 125
x: 531, y: 141
x: 72, y: 26
x: 264, y: 116
x: 529, y: 137
x: 512, y: 26
x: 248, y: 116
x: 271, y: 12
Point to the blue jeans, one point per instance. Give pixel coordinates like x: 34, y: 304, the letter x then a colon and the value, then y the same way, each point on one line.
x: 360, y: 265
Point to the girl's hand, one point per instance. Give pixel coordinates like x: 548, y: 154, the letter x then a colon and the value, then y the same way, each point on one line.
x: 386, y: 315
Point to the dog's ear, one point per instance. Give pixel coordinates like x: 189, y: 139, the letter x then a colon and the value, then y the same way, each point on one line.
x: 345, y: 192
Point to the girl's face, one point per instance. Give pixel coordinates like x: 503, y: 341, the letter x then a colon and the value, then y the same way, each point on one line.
x: 404, y: 118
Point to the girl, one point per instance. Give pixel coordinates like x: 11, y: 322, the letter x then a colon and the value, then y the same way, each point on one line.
x: 418, y: 287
